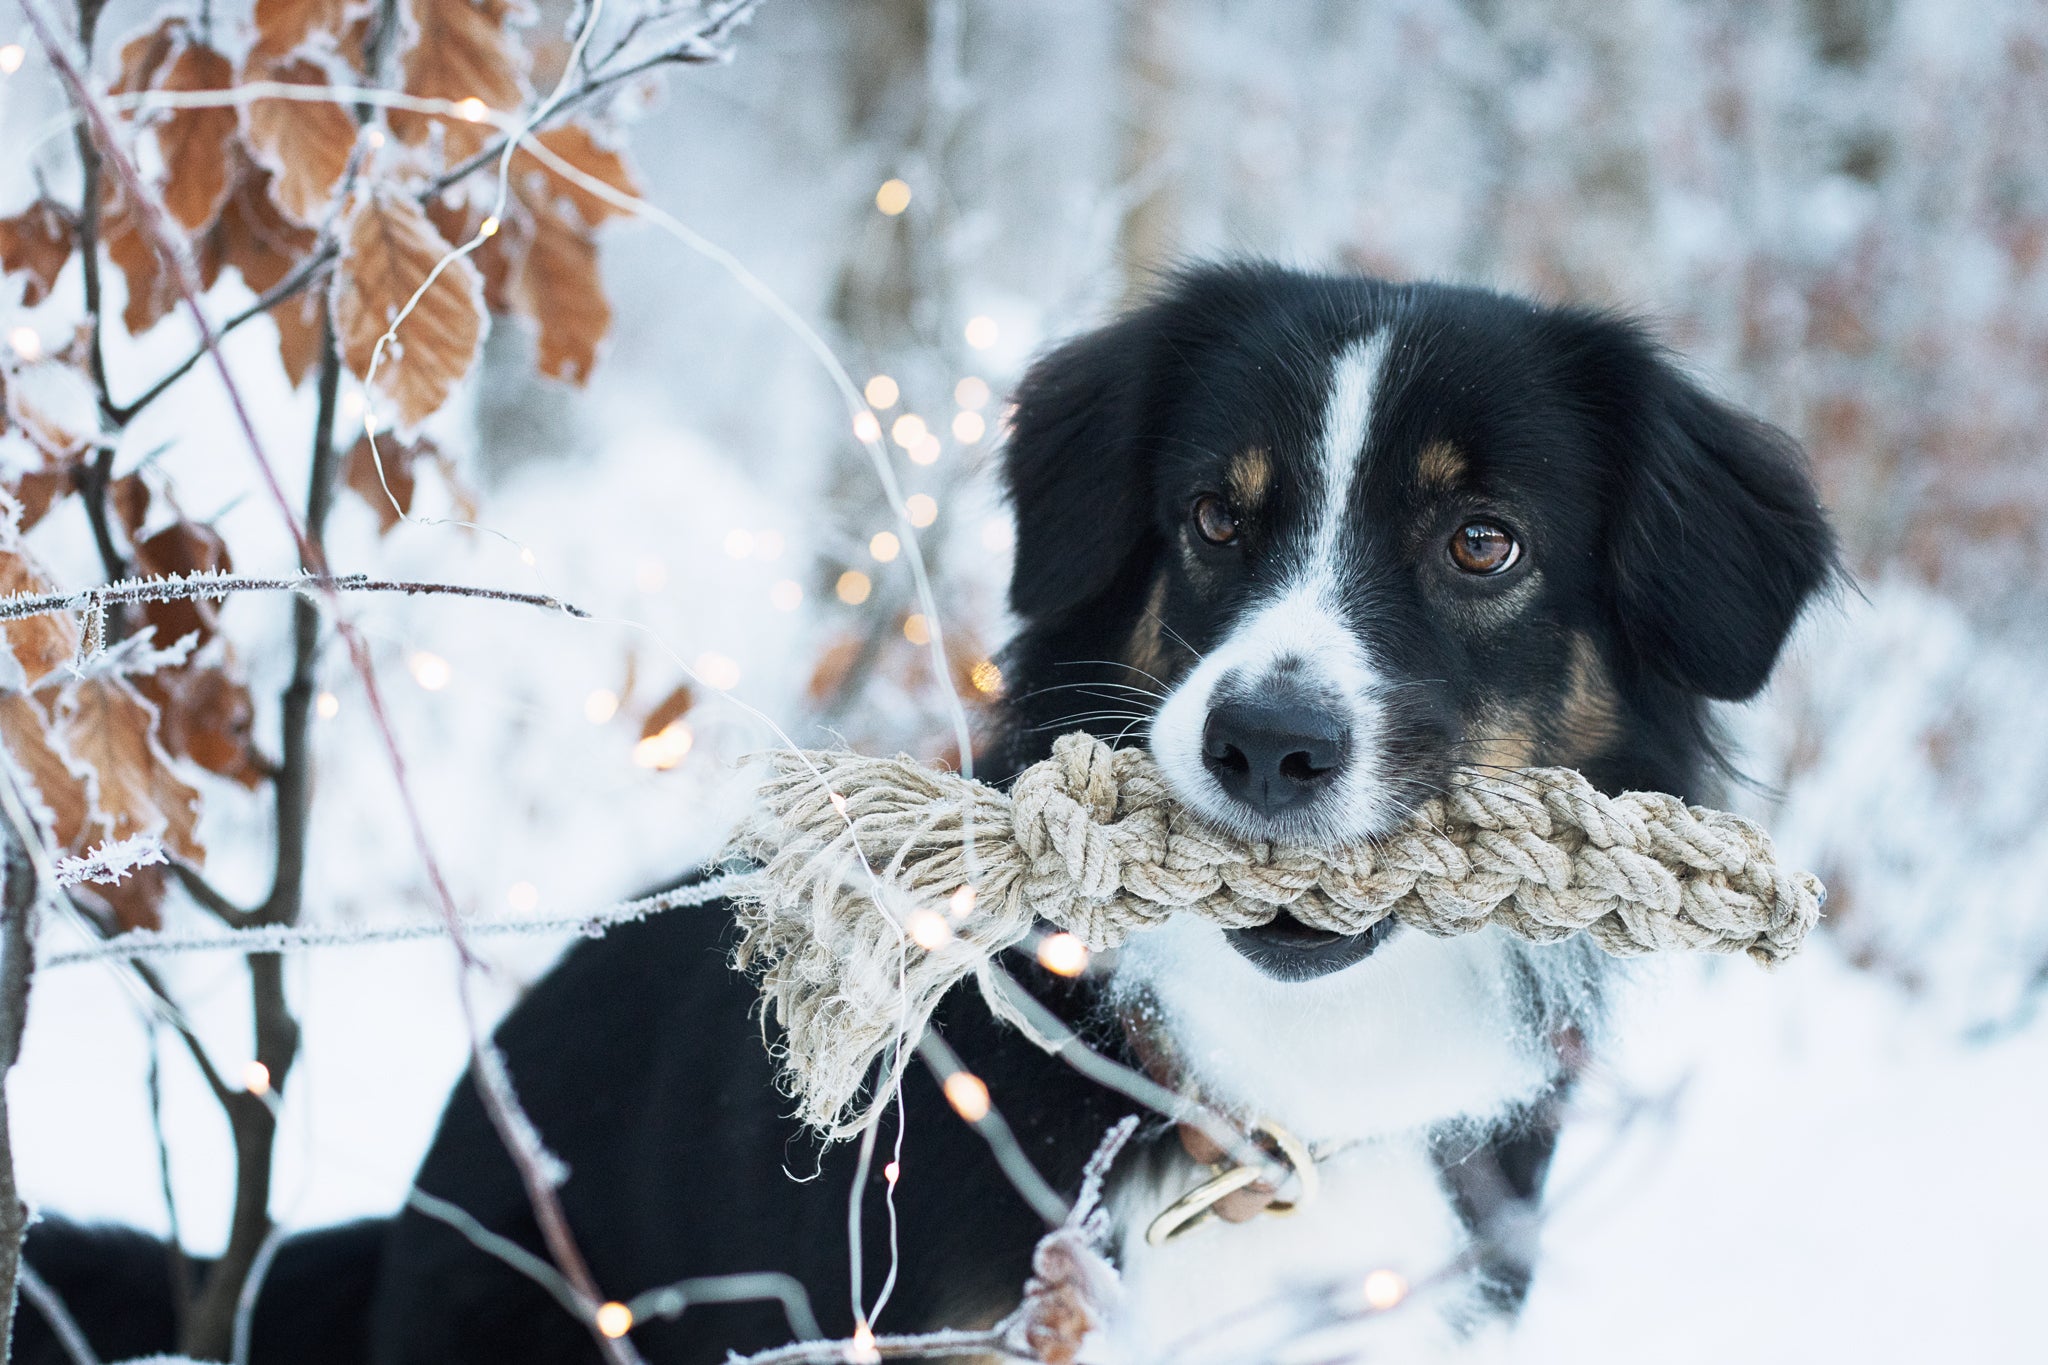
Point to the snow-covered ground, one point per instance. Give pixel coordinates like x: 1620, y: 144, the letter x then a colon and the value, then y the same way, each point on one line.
x: 1846, y: 1166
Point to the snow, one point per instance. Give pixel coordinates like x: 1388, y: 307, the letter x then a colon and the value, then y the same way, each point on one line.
x: 1845, y: 1169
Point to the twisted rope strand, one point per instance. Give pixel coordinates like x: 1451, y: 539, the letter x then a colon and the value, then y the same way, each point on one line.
x: 1092, y: 841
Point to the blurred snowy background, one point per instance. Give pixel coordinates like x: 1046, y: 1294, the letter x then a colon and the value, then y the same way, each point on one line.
x: 1837, y: 208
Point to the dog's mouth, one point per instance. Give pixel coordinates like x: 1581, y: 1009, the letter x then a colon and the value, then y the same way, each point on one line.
x: 1288, y: 950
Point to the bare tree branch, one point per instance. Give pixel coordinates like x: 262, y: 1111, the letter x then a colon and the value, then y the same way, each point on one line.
x: 16, y: 606
x: 17, y: 970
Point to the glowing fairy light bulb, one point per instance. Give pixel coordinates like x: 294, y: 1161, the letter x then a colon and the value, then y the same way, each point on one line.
x: 839, y: 803
x: 488, y: 227
x: 373, y: 138
x: 11, y: 58
x: 256, y: 1078
x: 981, y: 332
x: 926, y: 451
x: 893, y: 197
x: 987, y: 678
x: 968, y: 1094
x: 969, y: 427
x: 430, y: 671
x: 721, y: 671
x: 882, y: 392
x: 786, y: 595
x: 665, y: 748
x: 884, y: 546
x: 739, y: 543
x: 327, y: 706
x: 928, y: 930
x: 27, y: 343
x: 866, y: 427
x: 1384, y: 1290
x: 908, y: 430
x: 527, y: 557
x: 614, y: 1319
x: 961, y: 903
x: 922, y: 509
x: 892, y: 1172
x: 860, y: 1350
x: 600, y: 706
x: 853, y: 587
x: 916, y: 629
x: 1063, y: 955
x: 472, y: 110
x: 971, y: 393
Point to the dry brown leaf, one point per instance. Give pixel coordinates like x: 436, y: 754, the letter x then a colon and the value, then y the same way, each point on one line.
x: 301, y: 327
x: 398, y: 458
x: 137, y: 899
x: 55, y: 406
x: 144, y: 56
x: 130, y: 498
x: 388, y: 250
x: 253, y: 236
x: 462, y: 51
x: 561, y: 289
x: 195, y: 142
x: 303, y: 144
x: 39, y: 643
x: 36, y: 243
x: 208, y: 717
x: 183, y: 547
x: 499, y: 257
x: 37, y: 491
x: 543, y: 186
x: 834, y: 668
x: 151, y: 291
x: 671, y: 709
x: 27, y: 733
x: 109, y: 729
x: 282, y: 25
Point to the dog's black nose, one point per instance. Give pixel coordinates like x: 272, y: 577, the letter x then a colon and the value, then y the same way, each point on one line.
x: 1273, y: 755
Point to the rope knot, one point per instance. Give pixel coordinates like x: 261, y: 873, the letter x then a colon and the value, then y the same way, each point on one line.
x: 856, y: 924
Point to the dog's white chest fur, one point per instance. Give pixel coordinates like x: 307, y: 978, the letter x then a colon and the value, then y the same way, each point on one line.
x: 1365, y: 1062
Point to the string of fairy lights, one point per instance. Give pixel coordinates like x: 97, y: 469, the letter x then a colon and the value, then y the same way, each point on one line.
x: 909, y: 431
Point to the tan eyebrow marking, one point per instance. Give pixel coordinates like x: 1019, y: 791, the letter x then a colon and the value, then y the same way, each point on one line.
x: 1441, y: 466
x: 1249, y: 479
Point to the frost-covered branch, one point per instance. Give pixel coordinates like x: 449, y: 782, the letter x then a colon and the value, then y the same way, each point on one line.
x: 280, y: 938
x: 177, y: 587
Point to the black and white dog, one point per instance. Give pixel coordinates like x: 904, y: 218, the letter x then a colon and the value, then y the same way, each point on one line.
x: 1324, y: 544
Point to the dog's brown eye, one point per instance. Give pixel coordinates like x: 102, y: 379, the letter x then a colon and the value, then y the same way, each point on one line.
x: 1483, y: 547
x: 1214, y: 521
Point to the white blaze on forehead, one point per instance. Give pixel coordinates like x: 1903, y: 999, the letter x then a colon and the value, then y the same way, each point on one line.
x: 1303, y: 625
x: 1347, y: 421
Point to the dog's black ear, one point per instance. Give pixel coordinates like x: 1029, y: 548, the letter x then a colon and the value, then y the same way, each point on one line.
x: 1077, y: 478
x: 1716, y: 537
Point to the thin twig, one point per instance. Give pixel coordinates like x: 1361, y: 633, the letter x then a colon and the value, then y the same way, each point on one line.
x: 995, y: 1131
x: 178, y: 587
x: 56, y: 1317
x: 922, y: 1346
x: 143, y: 944
x: 289, y: 287
x: 17, y: 970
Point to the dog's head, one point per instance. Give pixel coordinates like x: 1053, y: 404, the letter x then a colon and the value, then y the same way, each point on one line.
x: 1324, y: 543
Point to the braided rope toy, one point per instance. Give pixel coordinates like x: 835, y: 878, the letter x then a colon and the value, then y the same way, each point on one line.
x: 1092, y: 841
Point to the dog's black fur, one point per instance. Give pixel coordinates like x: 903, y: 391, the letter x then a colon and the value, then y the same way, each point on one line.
x: 1676, y: 541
